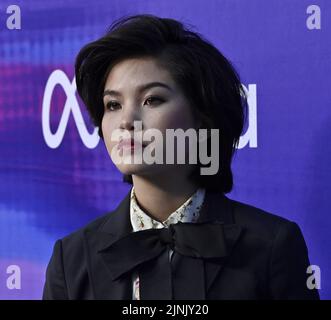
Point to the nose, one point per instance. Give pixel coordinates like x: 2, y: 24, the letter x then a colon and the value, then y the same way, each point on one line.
x: 128, y: 119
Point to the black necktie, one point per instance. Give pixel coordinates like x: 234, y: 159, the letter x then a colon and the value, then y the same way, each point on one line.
x: 147, y: 252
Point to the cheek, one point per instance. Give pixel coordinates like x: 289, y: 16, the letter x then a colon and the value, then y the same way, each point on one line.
x: 178, y: 117
x: 107, y: 127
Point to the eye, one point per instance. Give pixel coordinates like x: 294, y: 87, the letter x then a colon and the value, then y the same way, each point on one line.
x: 112, y: 105
x: 153, y: 100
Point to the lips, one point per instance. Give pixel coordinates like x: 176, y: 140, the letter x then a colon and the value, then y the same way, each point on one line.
x: 130, y: 143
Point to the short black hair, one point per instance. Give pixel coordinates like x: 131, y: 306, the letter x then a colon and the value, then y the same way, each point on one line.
x: 208, y: 80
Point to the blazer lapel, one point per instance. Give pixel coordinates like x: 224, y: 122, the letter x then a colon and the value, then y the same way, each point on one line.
x: 116, y: 226
x: 216, y: 207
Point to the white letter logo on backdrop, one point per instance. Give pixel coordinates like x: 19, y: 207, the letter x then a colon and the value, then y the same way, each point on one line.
x: 91, y: 140
x: 71, y: 105
x: 250, y: 136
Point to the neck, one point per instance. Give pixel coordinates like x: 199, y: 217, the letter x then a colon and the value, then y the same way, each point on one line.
x: 159, y: 197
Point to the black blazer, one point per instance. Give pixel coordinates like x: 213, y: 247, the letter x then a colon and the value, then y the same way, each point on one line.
x: 266, y: 258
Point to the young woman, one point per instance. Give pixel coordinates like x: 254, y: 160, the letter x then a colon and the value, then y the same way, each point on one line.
x: 175, y: 235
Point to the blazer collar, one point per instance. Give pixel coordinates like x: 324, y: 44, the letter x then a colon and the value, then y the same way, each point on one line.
x: 216, y: 206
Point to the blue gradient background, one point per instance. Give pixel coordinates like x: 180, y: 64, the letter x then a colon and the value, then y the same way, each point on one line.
x: 47, y: 193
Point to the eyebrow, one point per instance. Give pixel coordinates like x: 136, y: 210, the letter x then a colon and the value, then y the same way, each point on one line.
x: 140, y: 89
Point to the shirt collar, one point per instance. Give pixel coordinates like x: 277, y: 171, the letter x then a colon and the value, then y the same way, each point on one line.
x: 187, y: 212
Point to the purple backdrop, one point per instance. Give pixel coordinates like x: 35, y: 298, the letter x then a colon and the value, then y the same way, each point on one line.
x: 52, y: 185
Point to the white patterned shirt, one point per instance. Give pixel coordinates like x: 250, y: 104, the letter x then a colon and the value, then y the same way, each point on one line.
x: 187, y: 212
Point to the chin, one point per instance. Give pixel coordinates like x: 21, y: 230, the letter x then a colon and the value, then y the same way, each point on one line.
x: 135, y: 169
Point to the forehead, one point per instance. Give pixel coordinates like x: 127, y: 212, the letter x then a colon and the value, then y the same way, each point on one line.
x: 136, y: 71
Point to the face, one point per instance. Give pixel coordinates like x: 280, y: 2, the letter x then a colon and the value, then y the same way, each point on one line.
x: 128, y: 98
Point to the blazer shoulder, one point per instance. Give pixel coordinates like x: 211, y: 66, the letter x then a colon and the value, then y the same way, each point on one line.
x: 259, y: 221
x: 280, y: 244
x: 67, y: 270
